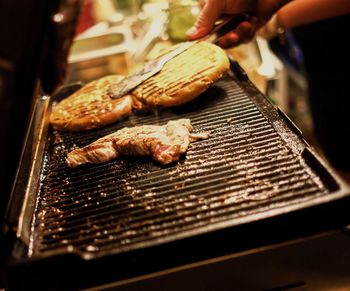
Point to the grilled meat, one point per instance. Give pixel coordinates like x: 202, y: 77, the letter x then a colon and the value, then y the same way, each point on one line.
x: 164, y: 143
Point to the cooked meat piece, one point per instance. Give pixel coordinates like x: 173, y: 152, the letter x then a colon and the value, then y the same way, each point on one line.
x: 165, y: 143
x: 90, y: 107
x: 184, y: 77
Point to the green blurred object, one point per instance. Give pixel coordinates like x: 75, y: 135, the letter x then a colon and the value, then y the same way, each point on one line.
x: 182, y: 15
x: 84, y: 45
x: 128, y: 7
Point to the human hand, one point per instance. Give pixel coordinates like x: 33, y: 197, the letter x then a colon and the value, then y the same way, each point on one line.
x: 212, y: 10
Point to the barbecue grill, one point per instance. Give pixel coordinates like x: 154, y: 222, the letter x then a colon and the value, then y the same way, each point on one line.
x: 253, y: 184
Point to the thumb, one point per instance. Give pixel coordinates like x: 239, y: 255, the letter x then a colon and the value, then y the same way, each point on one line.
x: 206, y: 19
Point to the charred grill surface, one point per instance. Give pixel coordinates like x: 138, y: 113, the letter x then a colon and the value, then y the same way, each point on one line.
x: 250, y: 164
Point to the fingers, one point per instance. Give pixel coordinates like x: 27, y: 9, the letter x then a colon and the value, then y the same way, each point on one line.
x: 242, y: 34
x: 213, y: 9
x: 229, y: 40
x: 245, y: 31
x: 209, y: 14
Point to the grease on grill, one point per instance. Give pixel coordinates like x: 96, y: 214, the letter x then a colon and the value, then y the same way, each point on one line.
x: 243, y: 169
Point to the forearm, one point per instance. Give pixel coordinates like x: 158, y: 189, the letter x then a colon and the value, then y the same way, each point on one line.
x: 264, y: 9
x: 300, y: 12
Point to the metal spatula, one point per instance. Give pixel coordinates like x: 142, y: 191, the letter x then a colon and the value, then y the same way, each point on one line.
x: 154, y: 66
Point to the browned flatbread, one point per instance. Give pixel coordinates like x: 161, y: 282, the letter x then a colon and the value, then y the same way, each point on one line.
x: 184, y: 77
x: 90, y: 107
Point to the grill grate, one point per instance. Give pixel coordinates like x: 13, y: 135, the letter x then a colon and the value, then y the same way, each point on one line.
x: 243, y: 169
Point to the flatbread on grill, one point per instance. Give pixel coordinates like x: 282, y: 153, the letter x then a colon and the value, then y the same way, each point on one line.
x: 90, y: 107
x: 181, y: 79
x: 184, y: 77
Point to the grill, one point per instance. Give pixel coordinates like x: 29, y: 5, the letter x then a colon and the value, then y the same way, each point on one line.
x: 244, y: 168
x: 254, y: 171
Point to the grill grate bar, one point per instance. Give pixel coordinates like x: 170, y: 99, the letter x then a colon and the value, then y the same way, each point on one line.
x: 227, y: 198
x: 192, y: 198
x: 88, y: 207
x: 159, y: 222
x: 227, y: 161
x: 251, y: 119
x: 221, y: 106
x: 195, y: 190
x: 214, y: 141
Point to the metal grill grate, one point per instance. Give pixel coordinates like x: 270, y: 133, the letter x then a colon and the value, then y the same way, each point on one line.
x: 243, y: 169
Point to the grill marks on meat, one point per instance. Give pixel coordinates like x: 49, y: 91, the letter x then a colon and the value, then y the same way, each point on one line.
x: 164, y: 143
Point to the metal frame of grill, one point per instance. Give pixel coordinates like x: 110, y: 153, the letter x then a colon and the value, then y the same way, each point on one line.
x: 254, y: 172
